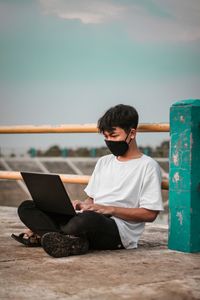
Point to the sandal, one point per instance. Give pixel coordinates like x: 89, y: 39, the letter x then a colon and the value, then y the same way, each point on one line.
x: 29, y: 241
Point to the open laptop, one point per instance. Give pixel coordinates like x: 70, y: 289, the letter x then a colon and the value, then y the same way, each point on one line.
x: 48, y: 192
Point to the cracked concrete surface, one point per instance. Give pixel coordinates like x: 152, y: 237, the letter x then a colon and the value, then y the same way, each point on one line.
x: 149, y: 272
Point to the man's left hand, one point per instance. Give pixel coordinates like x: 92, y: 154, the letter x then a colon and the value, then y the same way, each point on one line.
x: 102, y: 209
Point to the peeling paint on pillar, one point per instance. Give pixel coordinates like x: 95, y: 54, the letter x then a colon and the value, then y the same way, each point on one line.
x: 180, y: 217
x: 176, y: 159
x: 176, y: 177
x: 184, y: 193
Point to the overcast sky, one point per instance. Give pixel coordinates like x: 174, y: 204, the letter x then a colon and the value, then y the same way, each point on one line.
x: 65, y: 62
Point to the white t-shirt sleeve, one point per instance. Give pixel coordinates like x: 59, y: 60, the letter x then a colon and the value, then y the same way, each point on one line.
x: 151, y: 196
x: 92, y: 184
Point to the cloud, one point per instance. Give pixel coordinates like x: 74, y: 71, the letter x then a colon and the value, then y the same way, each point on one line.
x: 88, y: 12
x: 143, y: 20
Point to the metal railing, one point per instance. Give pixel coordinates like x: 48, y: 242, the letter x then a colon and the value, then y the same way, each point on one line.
x: 76, y: 128
x: 72, y: 128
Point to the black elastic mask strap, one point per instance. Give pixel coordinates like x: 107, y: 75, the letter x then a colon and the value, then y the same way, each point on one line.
x: 127, y: 137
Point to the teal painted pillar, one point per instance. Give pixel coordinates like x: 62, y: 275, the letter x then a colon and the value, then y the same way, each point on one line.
x: 184, y: 185
x: 64, y: 152
x: 93, y: 152
x: 33, y: 152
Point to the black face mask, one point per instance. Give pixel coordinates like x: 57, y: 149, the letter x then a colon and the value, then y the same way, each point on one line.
x: 118, y: 148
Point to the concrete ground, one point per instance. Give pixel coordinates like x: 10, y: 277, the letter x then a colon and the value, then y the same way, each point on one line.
x: 149, y: 272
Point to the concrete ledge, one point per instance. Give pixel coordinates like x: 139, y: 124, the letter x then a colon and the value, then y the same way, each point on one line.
x: 149, y: 272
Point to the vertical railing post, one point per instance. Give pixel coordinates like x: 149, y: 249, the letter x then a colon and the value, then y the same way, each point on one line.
x: 184, y: 185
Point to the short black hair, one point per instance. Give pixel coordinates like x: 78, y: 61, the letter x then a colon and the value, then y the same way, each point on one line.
x: 121, y: 115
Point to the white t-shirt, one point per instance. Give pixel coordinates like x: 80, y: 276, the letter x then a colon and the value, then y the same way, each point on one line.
x: 133, y: 183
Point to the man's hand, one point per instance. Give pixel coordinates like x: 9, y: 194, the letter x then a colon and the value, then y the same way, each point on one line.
x: 79, y: 205
x: 102, y: 209
x: 88, y: 205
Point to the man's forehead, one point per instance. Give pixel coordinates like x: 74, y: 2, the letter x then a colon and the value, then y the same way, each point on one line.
x: 113, y: 130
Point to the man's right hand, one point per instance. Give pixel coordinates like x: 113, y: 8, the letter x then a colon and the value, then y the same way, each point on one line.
x: 77, y: 204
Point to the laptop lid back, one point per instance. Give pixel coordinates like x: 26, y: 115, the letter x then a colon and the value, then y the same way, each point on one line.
x: 48, y: 192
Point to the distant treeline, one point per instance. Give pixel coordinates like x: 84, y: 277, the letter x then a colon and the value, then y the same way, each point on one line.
x: 56, y: 151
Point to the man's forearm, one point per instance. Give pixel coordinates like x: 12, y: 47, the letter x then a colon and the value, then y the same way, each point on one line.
x: 128, y: 214
x: 134, y: 214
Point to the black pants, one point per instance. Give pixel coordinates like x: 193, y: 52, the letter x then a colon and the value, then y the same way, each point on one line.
x: 101, y: 231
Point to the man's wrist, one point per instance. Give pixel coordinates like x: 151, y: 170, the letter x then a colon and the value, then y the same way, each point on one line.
x: 112, y: 210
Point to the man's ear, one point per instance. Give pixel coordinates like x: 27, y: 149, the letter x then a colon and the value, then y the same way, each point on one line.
x: 133, y: 133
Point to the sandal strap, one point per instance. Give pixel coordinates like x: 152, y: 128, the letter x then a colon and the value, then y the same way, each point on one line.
x: 31, y: 241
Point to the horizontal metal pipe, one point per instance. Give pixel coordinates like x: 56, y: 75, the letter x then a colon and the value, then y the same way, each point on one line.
x: 83, y: 179
x: 76, y: 128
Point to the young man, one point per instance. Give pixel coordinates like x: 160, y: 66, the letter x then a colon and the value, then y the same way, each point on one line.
x: 124, y: 192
